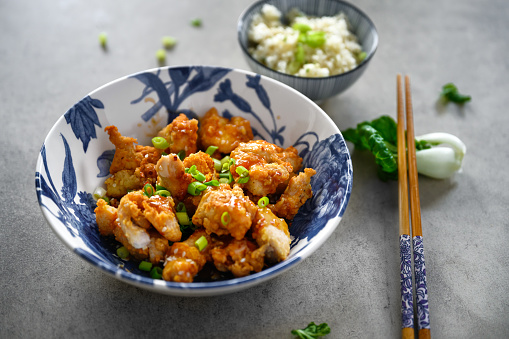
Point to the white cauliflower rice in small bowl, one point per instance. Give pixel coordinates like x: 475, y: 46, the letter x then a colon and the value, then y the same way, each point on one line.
x: 308, y: 46
x: 319, y: 47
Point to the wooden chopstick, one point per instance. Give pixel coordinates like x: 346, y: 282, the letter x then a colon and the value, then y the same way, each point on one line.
x: 421, y: 289
x: 405, y: 247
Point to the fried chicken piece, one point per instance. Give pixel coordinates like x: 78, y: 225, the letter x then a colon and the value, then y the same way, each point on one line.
x: 241, y: 211
x: 269, y: 165
x: 181, y: 134
x: 203, y: 162
x: 136, y: 253
x: 157, y: 248
x: 272, y: 235
x: 105, y: 216
x: 241, y: 257
x: 132, y: 166
x: 159, y: 212
x: 132, y: 222
x: 172, y: 176
x: 184, y: 260
x: 295, y: 195
x: 222, y: 132
x: 121, y: 182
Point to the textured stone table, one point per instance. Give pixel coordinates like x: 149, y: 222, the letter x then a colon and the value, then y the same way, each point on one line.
x: 50, y: 58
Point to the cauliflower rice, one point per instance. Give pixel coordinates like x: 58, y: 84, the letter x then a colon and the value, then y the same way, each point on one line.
x: 276, y: 45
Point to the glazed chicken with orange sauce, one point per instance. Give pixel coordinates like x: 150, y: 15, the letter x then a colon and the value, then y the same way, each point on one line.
x: 197, y: 204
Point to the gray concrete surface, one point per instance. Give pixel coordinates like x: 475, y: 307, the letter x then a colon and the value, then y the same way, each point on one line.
x: 50, y: 58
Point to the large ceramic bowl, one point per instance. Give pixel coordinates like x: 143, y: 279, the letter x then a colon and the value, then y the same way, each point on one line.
x: 317, y: 89
x: 77, y: 153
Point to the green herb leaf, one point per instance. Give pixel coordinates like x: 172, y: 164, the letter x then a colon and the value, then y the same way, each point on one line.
x: 312, y: 331
x: 450, y: 93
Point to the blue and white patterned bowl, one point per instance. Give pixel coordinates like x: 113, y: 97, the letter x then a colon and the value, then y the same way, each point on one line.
x: 77, y: 153
x: 316, y: 89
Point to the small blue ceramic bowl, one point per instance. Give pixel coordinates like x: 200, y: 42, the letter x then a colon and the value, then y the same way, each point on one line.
x: 76, y: 156
x: 316, y: 89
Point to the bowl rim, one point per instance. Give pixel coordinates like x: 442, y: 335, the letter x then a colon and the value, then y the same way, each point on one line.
x: 242, y: 19
x: 195, y: 288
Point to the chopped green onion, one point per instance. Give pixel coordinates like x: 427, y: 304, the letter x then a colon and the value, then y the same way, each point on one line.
x: 201, y: 243
x: 211, y: 183
x: 99, y: 192
x: 217, y: 165
x: 226, y: 159
x: 228, y: 176
x: 225, y: 167
x: 168, y: 41
x: 211, y: 149
x: 199, y: 176
x: 161, y: 56
x: 105, y: 198
x: 181, y: 207
x: 196, y: 22
x: 160, y: 188
x: 225, y: 218
x: 243, y: 180
x: 182, y: 155
x: 242, y: 171
x: 148, y: 190
x: 122, y: 252
x: 362, y: 55
x: 303, y: 28
x: 223, y: 181
x: 262, y: 202
x: 156, y: 272
x: 183, y: 218
x: 195, y: 188
x: 103, y: 39
x: 163, y: 193
x: 313, y: 38
x: 145, y: 266
x: 160, y: 143
x: 192, y: 168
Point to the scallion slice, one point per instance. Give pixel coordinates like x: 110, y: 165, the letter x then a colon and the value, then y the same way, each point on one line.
x: 217, y: 165
x: 163, y: 193
x: 156, y: 272
x: 181, y: 155
x: 160, y: 143
x: 211, y: 149
x: 262, y: 202
x: 201, y: 243
x: 122, y: 252
x: 148, y: 190
x: 225, y: 218
x: 195, y: 188
x: 183, y: 218
x: 145, y: 266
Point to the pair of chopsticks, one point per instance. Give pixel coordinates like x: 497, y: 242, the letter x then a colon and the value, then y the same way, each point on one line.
x: 407, y: 182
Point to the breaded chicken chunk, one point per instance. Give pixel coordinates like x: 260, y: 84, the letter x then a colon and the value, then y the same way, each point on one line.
x: 240, y: 212
x: 184, y: 260
x: 171, y: 174
x: 181, y: 134
x: 272, y: 235
x: 295, y: 195
x: 269, y: 165
x: 241, y: 257
x: 224, y: 133
x: 159, y: 211
x: 105, y: 216
x: 132, y: 166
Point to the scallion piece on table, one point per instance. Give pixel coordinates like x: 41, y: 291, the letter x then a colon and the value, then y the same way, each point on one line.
x: 156, y: 272
x: 160, y: 143
x: 145, y: 266
x: 262, y: 202
x: 168, y: 41
x: 196, y: 22
x: 201, y: 243
x: 103, y: 39
x: 161, y: 56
